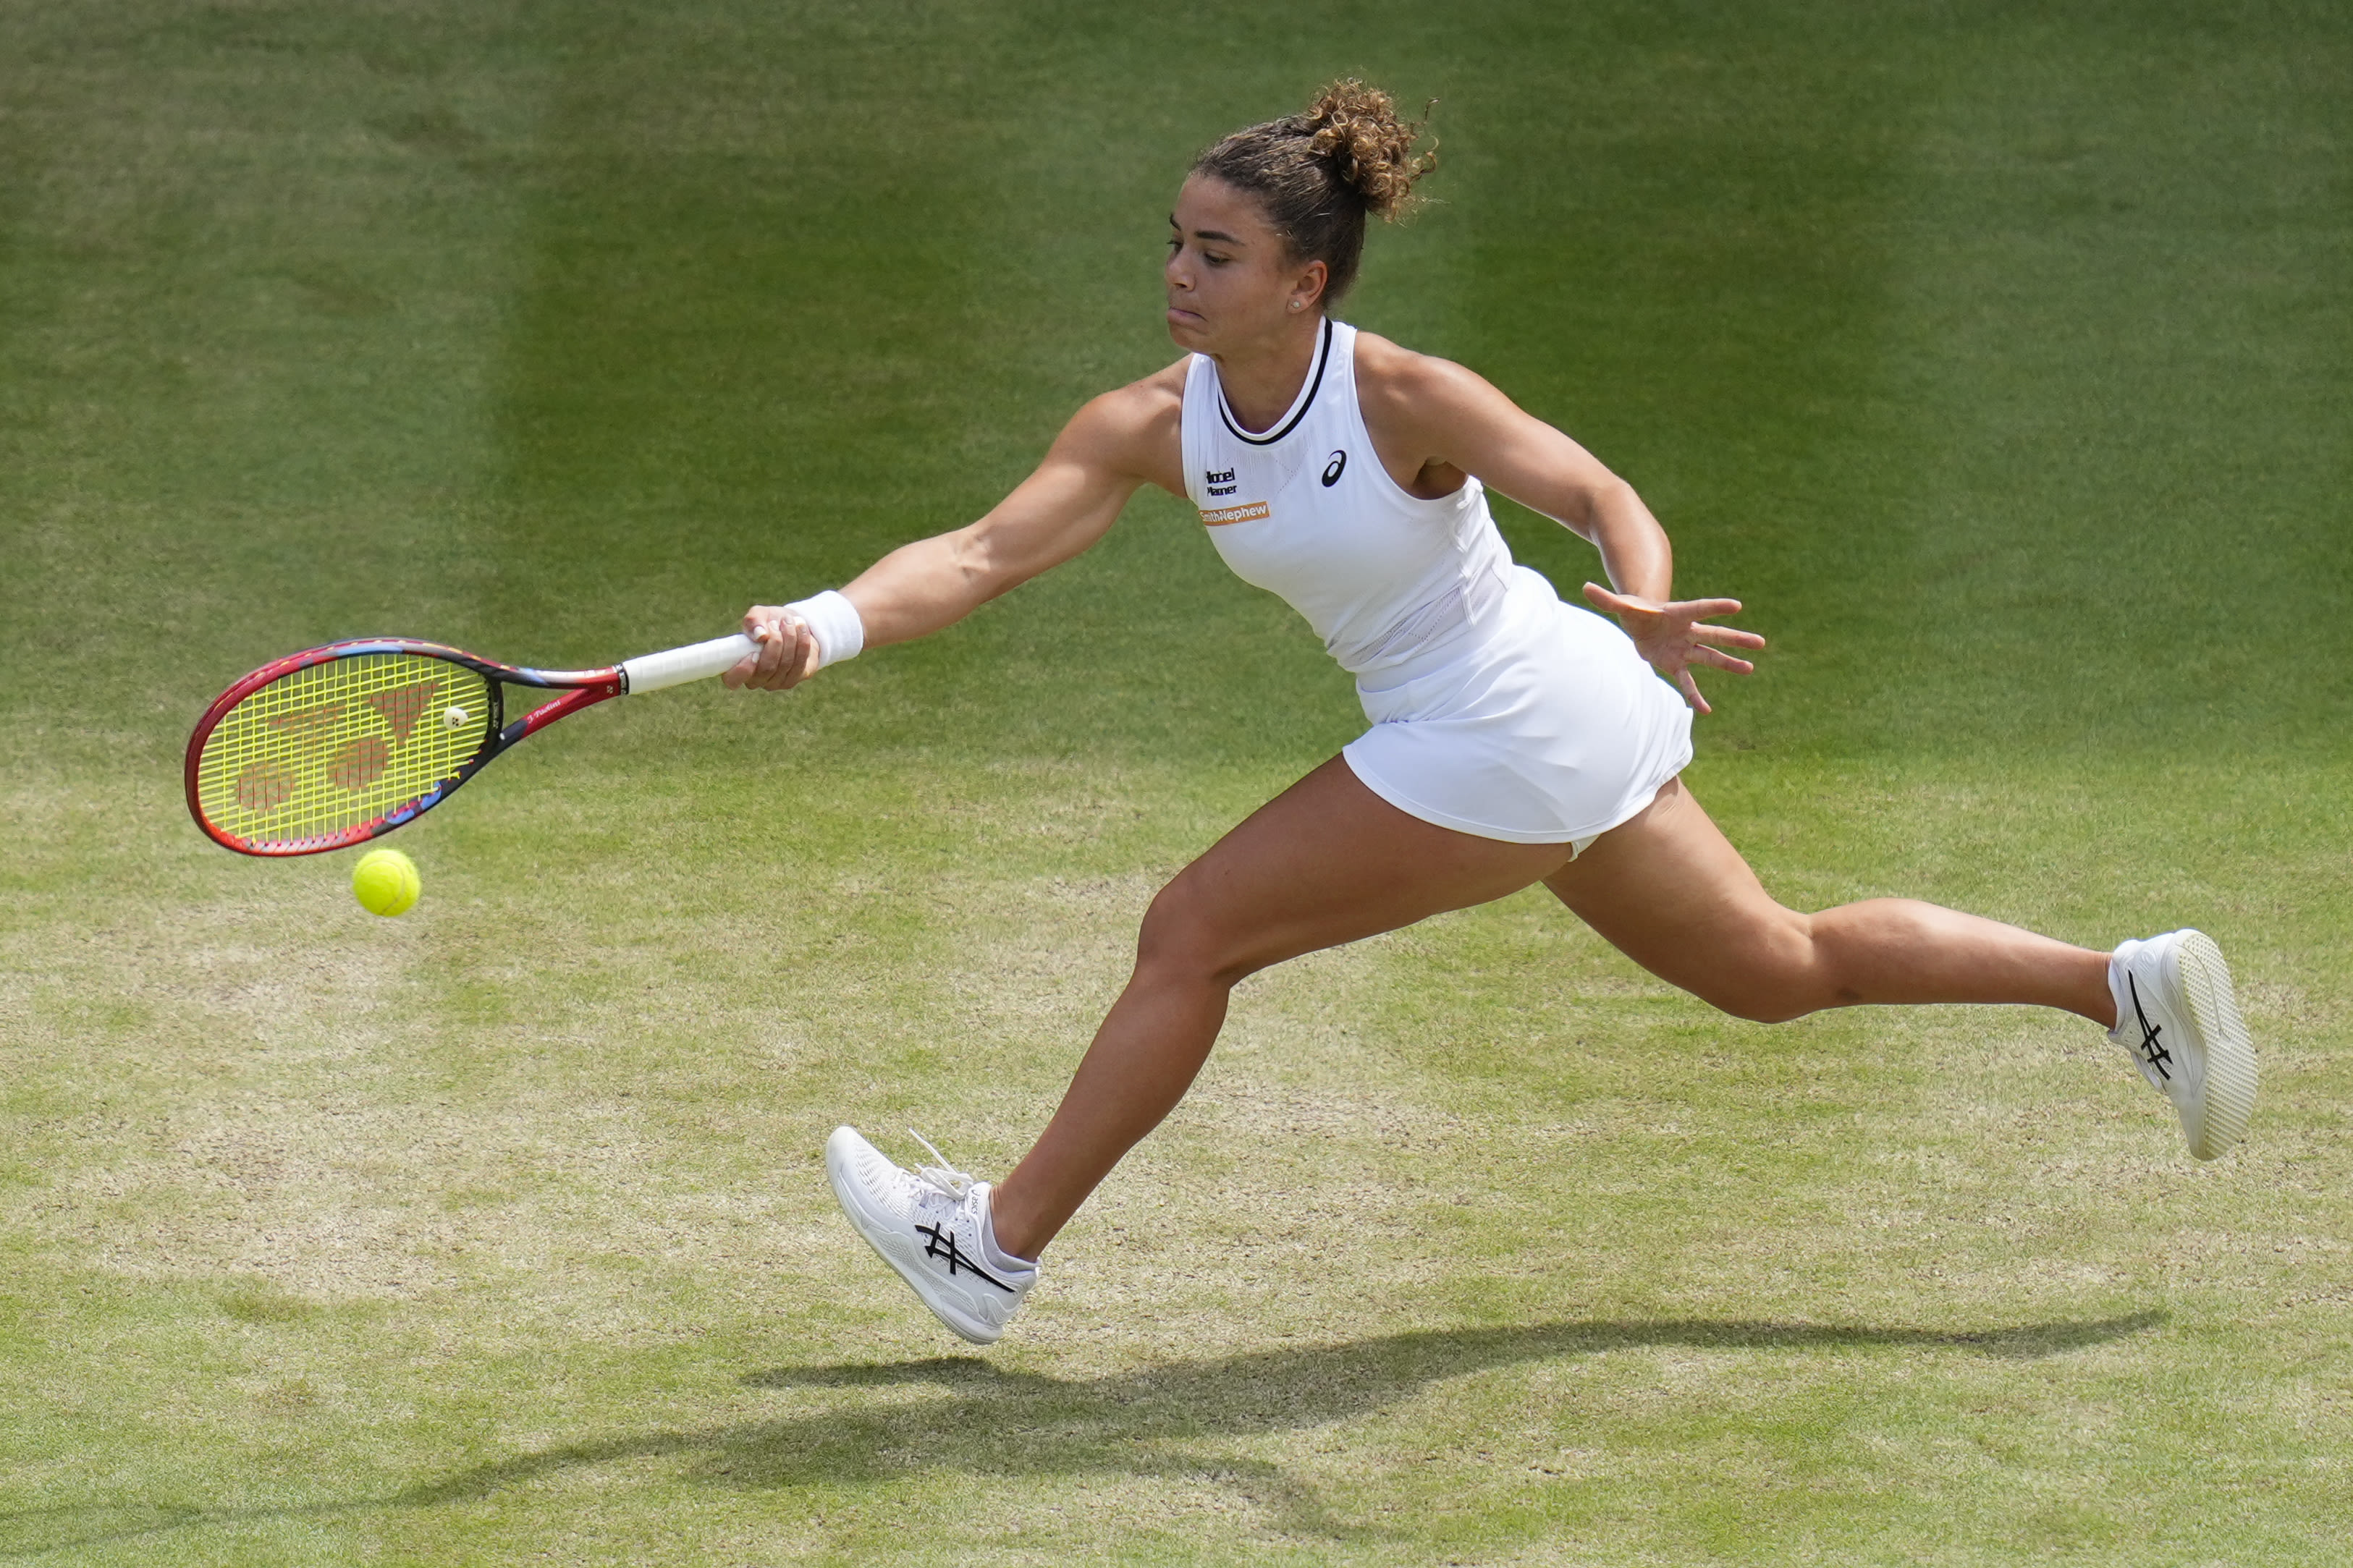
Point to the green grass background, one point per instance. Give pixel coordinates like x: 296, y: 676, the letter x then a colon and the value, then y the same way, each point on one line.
x: 1996, y: 354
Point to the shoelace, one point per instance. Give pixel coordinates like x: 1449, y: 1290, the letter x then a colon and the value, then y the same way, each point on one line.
x: 942, y: 1177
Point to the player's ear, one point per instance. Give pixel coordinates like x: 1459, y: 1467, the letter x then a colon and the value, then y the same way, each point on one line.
x: 1307, y: 286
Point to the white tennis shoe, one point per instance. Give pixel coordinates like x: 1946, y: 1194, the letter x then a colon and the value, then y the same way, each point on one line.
x: 931, y: 1223
x: 2177, y: 1015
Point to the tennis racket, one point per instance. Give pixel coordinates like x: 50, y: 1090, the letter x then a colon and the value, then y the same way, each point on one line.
x: 336, y: 745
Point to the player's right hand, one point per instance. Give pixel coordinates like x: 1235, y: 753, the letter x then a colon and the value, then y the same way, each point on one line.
x: 787, y: 654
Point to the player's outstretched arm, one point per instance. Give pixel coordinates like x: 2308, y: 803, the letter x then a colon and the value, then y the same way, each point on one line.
x: 1112, y: 447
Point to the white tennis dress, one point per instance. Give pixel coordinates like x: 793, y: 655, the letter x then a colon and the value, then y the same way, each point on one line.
x: 1497, y: 709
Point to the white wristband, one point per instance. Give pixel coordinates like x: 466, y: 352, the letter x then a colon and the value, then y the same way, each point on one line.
x: 833, y: 621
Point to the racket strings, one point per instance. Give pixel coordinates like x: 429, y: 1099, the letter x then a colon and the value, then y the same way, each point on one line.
x: 330, y: 748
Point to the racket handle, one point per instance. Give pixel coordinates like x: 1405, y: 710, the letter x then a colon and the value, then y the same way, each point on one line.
x: 676, y: 667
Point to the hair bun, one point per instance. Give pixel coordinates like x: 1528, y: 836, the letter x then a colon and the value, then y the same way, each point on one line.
x: 1357, y: 128
x: 1316, y: 175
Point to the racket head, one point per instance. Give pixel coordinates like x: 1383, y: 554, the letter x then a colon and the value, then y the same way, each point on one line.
x: 336, y: 745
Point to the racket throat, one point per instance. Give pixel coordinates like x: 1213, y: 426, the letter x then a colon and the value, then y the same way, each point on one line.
x: 547, y: 713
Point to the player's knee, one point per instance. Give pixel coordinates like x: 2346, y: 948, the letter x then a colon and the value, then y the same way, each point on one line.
x: 1183, y: 939
x: 1764, y: 1006
x: 1771, y: 979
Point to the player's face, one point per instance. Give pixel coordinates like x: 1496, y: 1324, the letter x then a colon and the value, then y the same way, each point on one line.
x: 1231, y: 279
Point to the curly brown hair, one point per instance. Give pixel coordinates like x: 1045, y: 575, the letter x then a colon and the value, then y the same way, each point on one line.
x: 1317, y: 175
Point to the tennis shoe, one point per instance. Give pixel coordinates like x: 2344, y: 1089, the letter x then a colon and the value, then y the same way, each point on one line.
x: 2176, y: 1013
x: 931, y: 1223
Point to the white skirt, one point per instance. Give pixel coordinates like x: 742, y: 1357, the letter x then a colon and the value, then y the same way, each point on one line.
x: 1541, y: 726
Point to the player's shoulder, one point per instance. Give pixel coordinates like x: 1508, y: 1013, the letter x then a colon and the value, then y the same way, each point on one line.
x: 1134, y: 427
x: 1140, y: 407
x: 1389, y: 373
x: 1418, y: 399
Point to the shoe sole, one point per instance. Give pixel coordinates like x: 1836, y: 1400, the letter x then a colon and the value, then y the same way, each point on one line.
x: 883, y: 1240
x: 2222, y: 1034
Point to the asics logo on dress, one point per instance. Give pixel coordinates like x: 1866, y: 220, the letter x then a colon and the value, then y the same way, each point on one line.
x: 941, y: 1242
x: 1334, y: 468
x: 2151, y: 1051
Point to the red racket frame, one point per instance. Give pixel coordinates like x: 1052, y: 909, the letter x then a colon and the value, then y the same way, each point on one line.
x: 581, y: 689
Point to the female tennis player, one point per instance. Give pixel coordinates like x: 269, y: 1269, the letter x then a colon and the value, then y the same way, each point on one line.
x: 1514, y: 739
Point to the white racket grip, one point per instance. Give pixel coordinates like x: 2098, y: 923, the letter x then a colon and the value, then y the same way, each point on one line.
x: 676, y: 667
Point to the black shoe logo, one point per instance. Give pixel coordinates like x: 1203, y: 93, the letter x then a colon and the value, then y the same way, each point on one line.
x: 941, y: 1242
x: 1333, y: 469
x: 2151, y: 1050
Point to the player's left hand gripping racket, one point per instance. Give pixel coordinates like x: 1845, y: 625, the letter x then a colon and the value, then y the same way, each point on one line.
x: 334, y: 745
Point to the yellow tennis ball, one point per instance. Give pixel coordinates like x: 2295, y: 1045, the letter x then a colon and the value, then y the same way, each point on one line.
x: 386, y: 882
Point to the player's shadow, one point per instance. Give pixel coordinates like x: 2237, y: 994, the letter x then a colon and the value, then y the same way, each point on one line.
x: 1152, y: 1421
x: 983, y: 1420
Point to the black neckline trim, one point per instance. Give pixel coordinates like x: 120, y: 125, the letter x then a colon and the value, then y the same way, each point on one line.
x: 1322, y: 358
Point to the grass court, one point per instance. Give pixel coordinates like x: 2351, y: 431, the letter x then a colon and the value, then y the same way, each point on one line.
x: 1996, y: 354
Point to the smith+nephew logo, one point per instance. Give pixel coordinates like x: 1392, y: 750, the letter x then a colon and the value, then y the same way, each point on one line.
x: 1221, y: 483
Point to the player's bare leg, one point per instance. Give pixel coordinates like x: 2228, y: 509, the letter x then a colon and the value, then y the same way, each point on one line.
x: 1672, y: 894
x: 1669, y: 891
x: 1330, y: 862
x: 1325, y: 862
